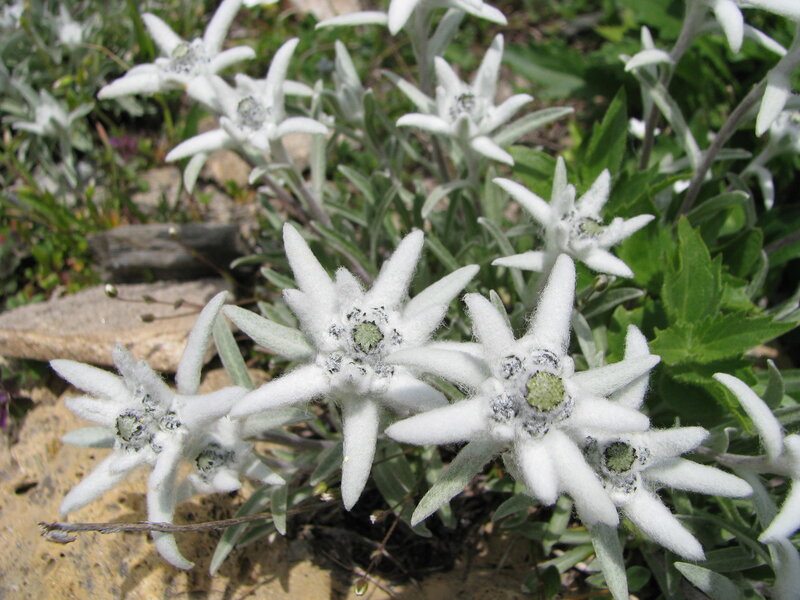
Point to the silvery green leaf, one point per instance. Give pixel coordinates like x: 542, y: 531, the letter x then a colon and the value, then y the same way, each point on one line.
x: 273, y: 419
x: 505, y: 248
x: 445, y: 31
x: 454, y: 478
x: 609, y: 300
x: 278, y: 501
x: 672, y: 113
x: 255, y: 503
x: 516, y: 129
x: 608, y: 550
x: 328, y: 461
x: 557, y: 524
x: 585, y: 336
x: 90, y: 437
x: 439, y: 193
x: 515, y: 504
x: 718, y: 587
x: 231, y: 356
x: 192, y: 170
x: 775, y: 388
x: 286, y: 341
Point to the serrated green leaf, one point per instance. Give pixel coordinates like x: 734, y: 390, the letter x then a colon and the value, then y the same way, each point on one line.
x: 692, y: 281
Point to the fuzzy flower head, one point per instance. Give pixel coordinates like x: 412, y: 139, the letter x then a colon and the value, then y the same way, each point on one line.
x: 346, y: 334
x: 183, y: 62
x: 573, y: 227
x: 528, y: 401
x: 466, y: 112
x: 148, y: 424
x: 400, y: 11
x: 634, y: 465
x: 253, y: 113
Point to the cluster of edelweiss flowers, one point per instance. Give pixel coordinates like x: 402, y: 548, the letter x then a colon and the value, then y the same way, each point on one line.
x: 366, y: 352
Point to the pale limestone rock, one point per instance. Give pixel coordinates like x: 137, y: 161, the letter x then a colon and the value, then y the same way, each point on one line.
x: 225, y: 165
x: 325, y: 9
x: 86, y: 326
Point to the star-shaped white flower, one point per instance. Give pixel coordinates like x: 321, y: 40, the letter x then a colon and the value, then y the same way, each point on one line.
x: 529, y: 401
x: 782, y: 456
x: 253, y: 114
x: 466, y: 112
x: 183, y: 62
x: 400, y: 12
x: 51, y: 117
x: 346, y: 335
x: 574, y: 228
x: 729, y: 15
x: 148, y: 424
x: 634, y: 465
x: 779, y: 84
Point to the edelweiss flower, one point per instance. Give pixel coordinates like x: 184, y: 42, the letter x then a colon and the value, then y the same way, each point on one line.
x: 782, y: 456
x: 184, y: 62
x: 346, y: 334
x: 528, y: 400
x: 784, y: 138
x: 253, y: 112
x: 634, y: 465
x: 51, y: 118
x: 779, y: 83
x: 149, y: 424
x: 466, y: 112
x: 574, y: 228
x: 401, y: 10
x: 729, y: 15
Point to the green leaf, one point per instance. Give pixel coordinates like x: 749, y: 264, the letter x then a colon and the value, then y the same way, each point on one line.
x: 718, y: 587
x: 557, y: 524
x: 454, y: 478
x: 608, y: 141
x: 254, y: 504
x: 286, y: 341
x: 775, y: 388
x: 515, y: 130
x: 533, y: 168
x: 608, y: 549
x: 692, y: 281
x: 439, y: 193
x: 544, y: 582
x: 230, y: 354
x: 714, y: 207
x: 278, y: 501
x: 515, y: 504
x: 328, y: 461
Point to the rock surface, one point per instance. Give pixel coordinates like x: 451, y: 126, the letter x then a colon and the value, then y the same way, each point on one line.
x: 325, y: 9
x: 85, y: 326
x: 165, y: 251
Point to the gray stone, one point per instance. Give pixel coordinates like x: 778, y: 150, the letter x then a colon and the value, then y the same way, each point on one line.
x: 134, y: 253
x: 85, y: 326
x: 223, y: 166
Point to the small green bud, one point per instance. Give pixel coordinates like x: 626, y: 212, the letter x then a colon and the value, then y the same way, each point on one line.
x: 367, y: 336
x: 619, y: 457
x: 545, y: 391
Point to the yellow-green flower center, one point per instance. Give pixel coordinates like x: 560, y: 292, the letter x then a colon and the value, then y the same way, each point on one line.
x: 367, y: 336
x: 590, y: 227
x: 545, y: 391
x: 619, y: 457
